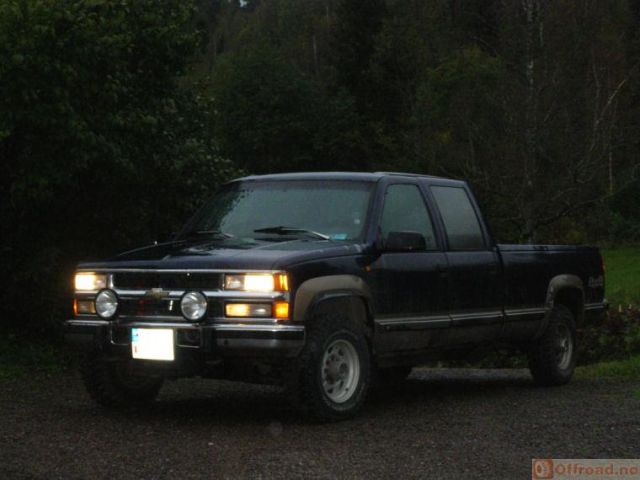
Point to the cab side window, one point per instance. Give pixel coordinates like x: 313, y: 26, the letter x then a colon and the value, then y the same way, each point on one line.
x: 460, y: 220
x: 405, y: 211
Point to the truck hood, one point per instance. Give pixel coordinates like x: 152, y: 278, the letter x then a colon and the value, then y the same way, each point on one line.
x: 227, y: 254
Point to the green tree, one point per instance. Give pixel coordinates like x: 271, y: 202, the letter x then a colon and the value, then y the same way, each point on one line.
x: 100, y: 145
x: 270, y: 117
x: 356, y: 26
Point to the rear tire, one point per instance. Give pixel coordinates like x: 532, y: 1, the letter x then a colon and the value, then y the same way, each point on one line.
x: 332, y: 374
x: 112, y: 383
x: 552, y: 358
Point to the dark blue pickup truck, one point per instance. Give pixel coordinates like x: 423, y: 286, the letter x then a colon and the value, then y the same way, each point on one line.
x: 325, y: 283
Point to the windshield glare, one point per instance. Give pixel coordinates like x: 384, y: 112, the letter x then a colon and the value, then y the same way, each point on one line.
x: 337, y: 209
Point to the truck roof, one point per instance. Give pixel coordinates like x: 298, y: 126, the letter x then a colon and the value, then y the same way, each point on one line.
x: 358, y: 176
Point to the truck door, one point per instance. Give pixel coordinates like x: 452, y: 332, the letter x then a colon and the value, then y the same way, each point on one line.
x: 410, y: 295
x: 474, y: 279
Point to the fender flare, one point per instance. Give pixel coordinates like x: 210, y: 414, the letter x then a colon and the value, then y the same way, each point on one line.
x: 316, y: 290
x: 561, y: 282
x: 558, y: 284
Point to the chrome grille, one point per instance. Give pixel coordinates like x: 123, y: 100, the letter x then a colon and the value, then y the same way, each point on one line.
x: 147, y: 307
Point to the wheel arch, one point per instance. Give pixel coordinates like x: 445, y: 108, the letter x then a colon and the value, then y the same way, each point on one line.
x: 567, y: 290
x: 334, y: 291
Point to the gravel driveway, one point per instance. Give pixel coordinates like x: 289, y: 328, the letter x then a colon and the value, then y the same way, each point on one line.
x: 440, y: 424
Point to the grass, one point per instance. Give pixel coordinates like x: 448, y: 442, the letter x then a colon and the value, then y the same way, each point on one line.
x: 622, y: 278
x: 627, y: 369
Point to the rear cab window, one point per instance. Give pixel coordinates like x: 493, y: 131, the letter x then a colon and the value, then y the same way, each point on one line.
x: 461, y: 223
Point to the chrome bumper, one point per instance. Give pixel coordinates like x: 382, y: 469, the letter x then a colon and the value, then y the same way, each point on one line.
x: 218, y: 339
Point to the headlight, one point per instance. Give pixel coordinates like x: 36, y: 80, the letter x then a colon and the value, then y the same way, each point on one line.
x: 90, y: 281
x: 106, y: 303
x: 257, y: 282
x: 193, y: 306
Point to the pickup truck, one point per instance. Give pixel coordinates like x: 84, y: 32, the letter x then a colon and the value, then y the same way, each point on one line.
x: 325, y: 283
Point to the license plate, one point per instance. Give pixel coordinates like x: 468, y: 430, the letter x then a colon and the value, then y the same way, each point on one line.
x: 152, y: 343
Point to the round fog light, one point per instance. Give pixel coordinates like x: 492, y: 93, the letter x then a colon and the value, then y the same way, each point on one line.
x: 193, y: 306
x: 106, y: 303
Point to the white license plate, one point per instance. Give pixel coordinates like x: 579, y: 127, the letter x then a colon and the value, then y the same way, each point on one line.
x: 152, y: 343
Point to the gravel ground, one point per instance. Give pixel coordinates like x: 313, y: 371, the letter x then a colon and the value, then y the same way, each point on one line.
x: 439, y: 424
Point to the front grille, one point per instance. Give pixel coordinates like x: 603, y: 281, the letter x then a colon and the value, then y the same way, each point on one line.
x: 167, y: 281
x: 147, y: 307
x: 135, y: 305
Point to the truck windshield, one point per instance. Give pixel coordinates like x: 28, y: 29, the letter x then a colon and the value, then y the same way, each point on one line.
x: 313, y: 209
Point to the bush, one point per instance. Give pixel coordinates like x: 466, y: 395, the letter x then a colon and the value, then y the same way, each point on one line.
x: 617, y: 337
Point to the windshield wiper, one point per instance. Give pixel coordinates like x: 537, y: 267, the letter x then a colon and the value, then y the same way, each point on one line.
x: 283, y: 230
x: 209, y: 233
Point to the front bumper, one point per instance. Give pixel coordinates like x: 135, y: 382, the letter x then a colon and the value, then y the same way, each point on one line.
x: 211, y: 340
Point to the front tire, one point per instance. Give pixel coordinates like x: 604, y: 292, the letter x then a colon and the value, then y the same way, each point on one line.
x: 552, y: 358
x: 332, y: 376
x: 113, y: 384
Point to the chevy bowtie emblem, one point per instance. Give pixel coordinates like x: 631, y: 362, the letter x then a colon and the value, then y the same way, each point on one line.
x: 156, y: 293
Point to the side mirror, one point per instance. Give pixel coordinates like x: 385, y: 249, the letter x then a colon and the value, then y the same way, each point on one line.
x: 404, y: 242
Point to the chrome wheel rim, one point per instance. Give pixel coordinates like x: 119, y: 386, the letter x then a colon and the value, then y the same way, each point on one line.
x: 340, y: 371
x: 564, y: 349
